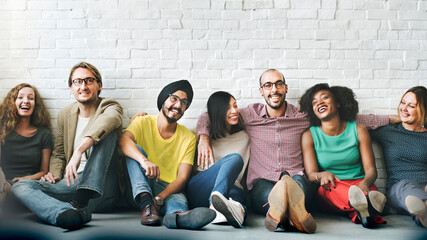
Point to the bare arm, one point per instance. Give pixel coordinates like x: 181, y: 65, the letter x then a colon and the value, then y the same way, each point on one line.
x: 368, y: 159
x: 3, y: 181
x: 44, y: 167
x: 180, y: 182
x: 324, y: 178
x: 205, y: 156
x: 129, y: 148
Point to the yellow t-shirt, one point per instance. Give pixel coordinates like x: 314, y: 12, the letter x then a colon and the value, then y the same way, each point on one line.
x: 168, y: 154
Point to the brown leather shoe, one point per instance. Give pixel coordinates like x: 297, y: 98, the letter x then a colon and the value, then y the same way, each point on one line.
x: 298, y: 215
x: 150, y: 216
x: 278, y: 201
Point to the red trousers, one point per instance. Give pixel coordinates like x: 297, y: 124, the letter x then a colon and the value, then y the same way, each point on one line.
x: 337, y: 199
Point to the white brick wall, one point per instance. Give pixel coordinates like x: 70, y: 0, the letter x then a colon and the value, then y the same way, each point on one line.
x: 376, y: 47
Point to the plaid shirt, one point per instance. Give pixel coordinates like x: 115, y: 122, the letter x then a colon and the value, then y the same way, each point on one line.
x: 276, y: 142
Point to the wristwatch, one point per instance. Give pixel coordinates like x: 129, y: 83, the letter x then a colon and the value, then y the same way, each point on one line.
x: 159, y: 201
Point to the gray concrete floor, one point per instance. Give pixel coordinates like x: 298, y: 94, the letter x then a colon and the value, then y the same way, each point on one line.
x: 125, y: 225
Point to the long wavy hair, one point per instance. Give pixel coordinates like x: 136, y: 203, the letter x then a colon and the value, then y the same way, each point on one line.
x: 9, y: 117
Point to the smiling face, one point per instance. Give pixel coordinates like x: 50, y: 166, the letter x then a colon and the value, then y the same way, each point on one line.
x: 173, y: 111
x: 232, y: 116
x: 275, y: 97
x: 85, y: 94
x: 25, y: 102
x: 324, y: 106
x: 408, y: 109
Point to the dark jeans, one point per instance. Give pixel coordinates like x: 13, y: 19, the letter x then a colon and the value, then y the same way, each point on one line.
x: 262, y: 187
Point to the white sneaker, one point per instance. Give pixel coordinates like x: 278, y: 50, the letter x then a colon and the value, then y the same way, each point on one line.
x: 220, y: 218
x: 232, y: 210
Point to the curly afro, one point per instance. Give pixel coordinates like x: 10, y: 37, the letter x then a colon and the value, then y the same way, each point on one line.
x: 344, y: 98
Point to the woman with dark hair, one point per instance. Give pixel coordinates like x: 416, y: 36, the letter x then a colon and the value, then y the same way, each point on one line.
x: 405, y: 153
x: 338, y: 154
x: 220, y: 185
x: 25, y: 137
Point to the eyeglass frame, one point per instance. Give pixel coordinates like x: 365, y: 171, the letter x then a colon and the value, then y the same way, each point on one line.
x: 275, y: 84
x: 184, y: 102
x: 85, y: 80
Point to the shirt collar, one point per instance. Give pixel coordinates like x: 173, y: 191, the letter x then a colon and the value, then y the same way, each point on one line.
x: 290, y: 110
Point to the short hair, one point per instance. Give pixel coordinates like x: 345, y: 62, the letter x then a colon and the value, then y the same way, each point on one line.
x: 218, y: 104
x: 343, y: 97
x: 421, y: 96
x: 89, y: 67
x: 9, y: 117
x: 271, y: 70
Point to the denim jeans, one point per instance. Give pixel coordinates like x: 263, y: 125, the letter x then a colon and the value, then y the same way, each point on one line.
x: 262, y: 187
x: 100, y: 177
x: 219, y: 177
x: 141, y: 183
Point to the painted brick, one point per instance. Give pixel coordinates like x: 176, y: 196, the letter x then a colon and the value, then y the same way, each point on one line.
x: 257, y: 4
x: 377, y: 48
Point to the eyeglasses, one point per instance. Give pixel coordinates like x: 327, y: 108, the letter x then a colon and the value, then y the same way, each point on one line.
x: 79, y: 81
x: 269, y: 85
x: 175, y: 99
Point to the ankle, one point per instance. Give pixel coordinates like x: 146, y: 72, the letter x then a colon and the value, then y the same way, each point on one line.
x: 145, y: 199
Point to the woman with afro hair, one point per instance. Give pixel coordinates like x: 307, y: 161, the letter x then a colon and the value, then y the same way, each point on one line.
x: 338, y: 155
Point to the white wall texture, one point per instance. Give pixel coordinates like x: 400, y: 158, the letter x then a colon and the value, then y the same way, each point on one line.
x: 376, y: 47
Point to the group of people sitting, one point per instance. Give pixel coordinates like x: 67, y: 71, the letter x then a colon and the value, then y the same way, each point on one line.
x: 286, y: 161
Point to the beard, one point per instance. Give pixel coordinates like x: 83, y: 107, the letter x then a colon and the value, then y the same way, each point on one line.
x: 275, y: 106
x: 169, y: 119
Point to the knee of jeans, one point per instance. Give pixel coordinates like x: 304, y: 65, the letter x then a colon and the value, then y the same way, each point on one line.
x: 111, y: 137
x: 404, y: 182
x: 23, y: 186
x: 236, y: 159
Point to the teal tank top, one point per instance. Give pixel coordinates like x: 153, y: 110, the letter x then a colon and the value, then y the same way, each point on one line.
x: 339, y: 154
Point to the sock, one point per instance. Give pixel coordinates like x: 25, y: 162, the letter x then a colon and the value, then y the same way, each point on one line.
x: 144, y: 200
x: 82, y: 197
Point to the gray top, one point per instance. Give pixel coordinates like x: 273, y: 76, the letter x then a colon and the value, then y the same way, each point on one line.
x: 21, y: 156
x: 405, y: 153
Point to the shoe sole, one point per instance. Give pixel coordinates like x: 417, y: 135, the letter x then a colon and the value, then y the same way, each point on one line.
x: 358, y: 201
x: 418, y: 208
x: 152, y: 224
x: 219, y: 203
x: 189, y: 219
x: 277, y: 200
x: 299, y: 216
x: 377, y: 200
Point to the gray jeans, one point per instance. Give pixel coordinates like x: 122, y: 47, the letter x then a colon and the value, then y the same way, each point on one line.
x: 397, y: 194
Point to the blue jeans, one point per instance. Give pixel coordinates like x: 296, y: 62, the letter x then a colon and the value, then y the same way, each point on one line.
x: 262, y: 187
x: 100, y: 177
x: 142, y: 184
x: 219, y: 177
